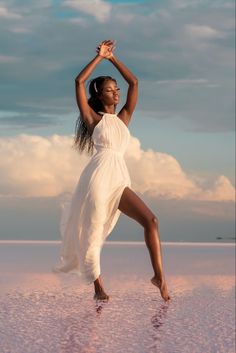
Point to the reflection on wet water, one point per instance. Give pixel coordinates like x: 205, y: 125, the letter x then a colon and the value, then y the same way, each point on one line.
x: 158, y: 319
x: 43, y: 312
x: 55, y: 318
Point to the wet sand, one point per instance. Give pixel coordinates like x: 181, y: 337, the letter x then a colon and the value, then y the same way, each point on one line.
x: 46, y: 312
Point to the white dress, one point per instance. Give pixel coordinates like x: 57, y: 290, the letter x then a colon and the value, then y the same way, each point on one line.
x: 91, y: 214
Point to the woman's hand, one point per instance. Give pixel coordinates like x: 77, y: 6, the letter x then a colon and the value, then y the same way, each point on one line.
x: 105, y: 48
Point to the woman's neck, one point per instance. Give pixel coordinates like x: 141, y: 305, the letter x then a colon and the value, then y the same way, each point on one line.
x: 109, y: 109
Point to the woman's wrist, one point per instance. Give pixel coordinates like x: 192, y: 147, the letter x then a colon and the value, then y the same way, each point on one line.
x: 112, y: 58
x: 102, y: 57
x: 99, y: 56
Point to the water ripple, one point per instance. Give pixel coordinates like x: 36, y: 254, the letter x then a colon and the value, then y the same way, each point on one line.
x: 135, y: 319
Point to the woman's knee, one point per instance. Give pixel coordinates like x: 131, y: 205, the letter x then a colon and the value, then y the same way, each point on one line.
x: 152, y: 222
x: 134, y: 207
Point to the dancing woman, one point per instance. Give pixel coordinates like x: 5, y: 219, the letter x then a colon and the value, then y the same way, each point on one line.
x: 104, y: 188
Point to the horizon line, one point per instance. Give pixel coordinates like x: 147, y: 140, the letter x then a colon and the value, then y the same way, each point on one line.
x: 110, y: 242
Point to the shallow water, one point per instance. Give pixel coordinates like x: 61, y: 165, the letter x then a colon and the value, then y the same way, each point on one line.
x: 45, y: 312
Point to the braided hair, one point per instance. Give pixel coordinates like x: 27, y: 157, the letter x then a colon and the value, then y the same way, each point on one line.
x: 83, y: 138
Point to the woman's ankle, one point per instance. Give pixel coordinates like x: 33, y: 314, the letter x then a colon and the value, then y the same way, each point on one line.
x: 159, y: 277
x: 98, y: 286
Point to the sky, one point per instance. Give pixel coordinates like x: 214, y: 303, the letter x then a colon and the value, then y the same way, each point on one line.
x: 182, y: 131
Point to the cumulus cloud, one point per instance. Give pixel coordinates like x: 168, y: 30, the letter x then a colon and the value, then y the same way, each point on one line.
x: 161, y: 175
x: 37, y: 166
x: 222, y: 189
x: 99, y: 9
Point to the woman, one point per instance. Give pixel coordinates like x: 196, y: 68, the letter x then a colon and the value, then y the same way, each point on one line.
x: 104, y: 188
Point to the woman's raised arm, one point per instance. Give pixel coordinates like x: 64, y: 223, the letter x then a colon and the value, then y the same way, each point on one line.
x: 80, y: 90
x: 132, y: 94
x: 85, y: 110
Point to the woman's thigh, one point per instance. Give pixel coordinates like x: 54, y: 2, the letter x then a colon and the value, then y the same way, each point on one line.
x: 132, y: 206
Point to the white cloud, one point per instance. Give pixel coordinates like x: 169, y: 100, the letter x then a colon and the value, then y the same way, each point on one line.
x: 8, y: 14
x: 153, y: 34
x: 165, y: 178
x: 37, y: 166
x: 203, y: 32
x: 96, y: 8
x: 222, y: 190
x: 163, y: 175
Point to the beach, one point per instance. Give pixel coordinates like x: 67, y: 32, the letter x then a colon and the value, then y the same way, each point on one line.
x: 42, y: 311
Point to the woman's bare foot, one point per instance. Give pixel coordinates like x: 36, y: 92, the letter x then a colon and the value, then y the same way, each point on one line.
x: 99, y: 290
x: 101, y: 295
x: 161, y: 284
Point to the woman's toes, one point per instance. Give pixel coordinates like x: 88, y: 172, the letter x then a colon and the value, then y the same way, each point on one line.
x: 162, y: 287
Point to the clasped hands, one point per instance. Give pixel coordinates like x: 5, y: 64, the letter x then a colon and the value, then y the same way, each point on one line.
x: 105, y: 48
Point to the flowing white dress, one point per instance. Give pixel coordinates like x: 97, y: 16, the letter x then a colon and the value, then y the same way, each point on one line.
x: 91, y: 214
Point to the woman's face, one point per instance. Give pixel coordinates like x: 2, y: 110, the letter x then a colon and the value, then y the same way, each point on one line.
x: 110, y: 94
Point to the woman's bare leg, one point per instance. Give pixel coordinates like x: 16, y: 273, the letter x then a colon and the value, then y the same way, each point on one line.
x: 132, y: 206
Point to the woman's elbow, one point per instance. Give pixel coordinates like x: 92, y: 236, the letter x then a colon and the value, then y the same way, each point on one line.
x: 79, y: 80
x: 134, y: 81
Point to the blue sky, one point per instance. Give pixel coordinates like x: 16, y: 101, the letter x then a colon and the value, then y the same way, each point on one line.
x: 183, y: 55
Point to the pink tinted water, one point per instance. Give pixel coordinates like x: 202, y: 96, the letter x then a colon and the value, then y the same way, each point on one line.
x: 45, y: 312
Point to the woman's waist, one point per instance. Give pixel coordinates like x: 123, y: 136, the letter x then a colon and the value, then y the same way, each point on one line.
x: 109, y: 149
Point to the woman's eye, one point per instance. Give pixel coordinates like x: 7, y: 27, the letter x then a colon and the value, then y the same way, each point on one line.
x: 116, y: 89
